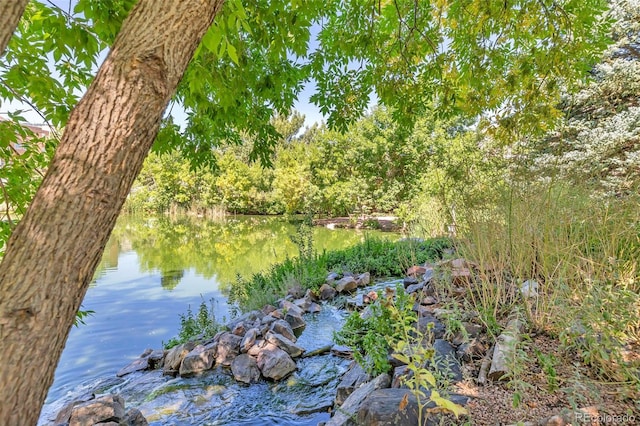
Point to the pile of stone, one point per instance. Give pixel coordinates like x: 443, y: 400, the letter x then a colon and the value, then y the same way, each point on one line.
x: 347, y: 283
x: 108, y: 410
x: 258, y: 344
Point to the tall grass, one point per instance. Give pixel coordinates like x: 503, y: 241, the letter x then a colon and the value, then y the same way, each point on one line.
x: 584, y: 254
x: 381, y: 258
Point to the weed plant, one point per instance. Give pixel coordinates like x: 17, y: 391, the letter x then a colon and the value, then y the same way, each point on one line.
x: 200, y: 325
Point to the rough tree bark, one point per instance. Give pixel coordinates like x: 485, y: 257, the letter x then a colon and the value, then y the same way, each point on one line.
x: 53, y: 252
x: 10, y: 13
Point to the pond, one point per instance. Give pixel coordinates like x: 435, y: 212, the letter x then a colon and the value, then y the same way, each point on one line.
x: 153, y: 269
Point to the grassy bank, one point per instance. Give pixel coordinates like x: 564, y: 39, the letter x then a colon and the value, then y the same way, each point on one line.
x: 381, y: 258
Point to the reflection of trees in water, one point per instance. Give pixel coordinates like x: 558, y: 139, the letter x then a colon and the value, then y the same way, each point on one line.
x: 222, y: 248
x: 171, y: 279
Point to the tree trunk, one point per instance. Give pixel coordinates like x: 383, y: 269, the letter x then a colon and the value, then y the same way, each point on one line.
x: 53, y: 252
x: 10, y: 13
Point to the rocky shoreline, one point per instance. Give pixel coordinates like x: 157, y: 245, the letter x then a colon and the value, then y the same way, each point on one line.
x: 262, y: 346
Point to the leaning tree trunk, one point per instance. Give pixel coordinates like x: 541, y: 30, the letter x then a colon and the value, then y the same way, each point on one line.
x: 53, y: 252
x: 10, y: 13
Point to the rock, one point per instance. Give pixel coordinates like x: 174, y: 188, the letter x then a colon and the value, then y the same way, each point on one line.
x: 445, y: 360
x: 295, y: 320
x: 416, y: 270
x: 351, y: 405
x: 364, y: 280
x: 437, y: 329
x: 314, y: 308
x: 504, y: 350
x: 471, y: 350
x: 409, y: 281
x: 327, y: 292
x: 414, y: 288
x: 198, y: 360
x: 398, y: 374
x: 382, y: 408
x: 283, y: 328
x: 290, y: 307
x: 342, y: 351
x: 256, y: 348
x: 248, y: 317
x: 370, y: 297
x: 175, y: 356
x: 99, y: 410
x: 139, y: 364
x: 239, y: 329
x: 303, y: 303
x: 529, y: 289
x: 156, y: 358
x: 267, y: 309
x: 346, y: 284
x: 285, y: 344
x: 245, y: 369
x: 134, y: 417
x: 296, y: 291
x: 351, y: 380
x: 429, y: 300
x: 428, y: 275
x: 333, y: 277
x: 228, y: 348
x: 249, y: 339
x: 274, y: 363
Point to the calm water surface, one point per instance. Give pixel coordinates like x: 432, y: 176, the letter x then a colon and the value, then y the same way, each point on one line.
x: 154, y: 268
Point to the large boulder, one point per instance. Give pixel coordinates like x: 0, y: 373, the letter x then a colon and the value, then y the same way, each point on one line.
x: 285, y: 344
x: 175, y: 356
x: 109, y: 408
x: 364, y: 280
x: 351, y: 406
x: 382, y: 408
x: 295, y: 320
x: 446, y: 361
x: 274, y: 362
x: 228, y: 349
x: 245, y: 369
x: 200, y: 359
x: 134, y: 417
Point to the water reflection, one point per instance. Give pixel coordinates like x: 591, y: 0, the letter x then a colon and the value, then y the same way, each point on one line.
x: 153, y: 268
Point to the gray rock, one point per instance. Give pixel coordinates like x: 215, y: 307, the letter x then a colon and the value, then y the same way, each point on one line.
x: 409, y: 281
x: 398, y: 375
x: 304, y: 302
x: 175, y: 356
x: 342, y: 351
x: 364, y: 279
x: 295, y: 321
x: 139, y: 364
x: 200, y: 359
x: 327, y: 292
x: 156, y: 358
x: 314, y: 308
x: 413, y: 288
x: 445, y: 360
x: 257, y: 347
x: 274, y: 363
x: 134, y: 417
x: 428, y: 275
x: 332, y: 277
x: 381, y: 408
x: 351, y: 406
x: 249, y: 316
x: 249, y: 339
x: 245, y: 369
x: 290, y: 307
x: 228, y: 348
x: 438, y: 329
x: 100, y: 410
x: 282, y: 327
x: 351, y: 380
x: 346, y: 284
x: 285, y: 344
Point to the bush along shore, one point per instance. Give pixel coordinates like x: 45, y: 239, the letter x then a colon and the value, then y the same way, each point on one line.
x: 423, y: 353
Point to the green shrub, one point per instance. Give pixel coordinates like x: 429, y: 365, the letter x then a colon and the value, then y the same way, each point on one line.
x: 202, y: 325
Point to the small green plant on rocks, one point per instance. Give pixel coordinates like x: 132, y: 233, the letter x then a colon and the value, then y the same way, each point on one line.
x: 202, y: 325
